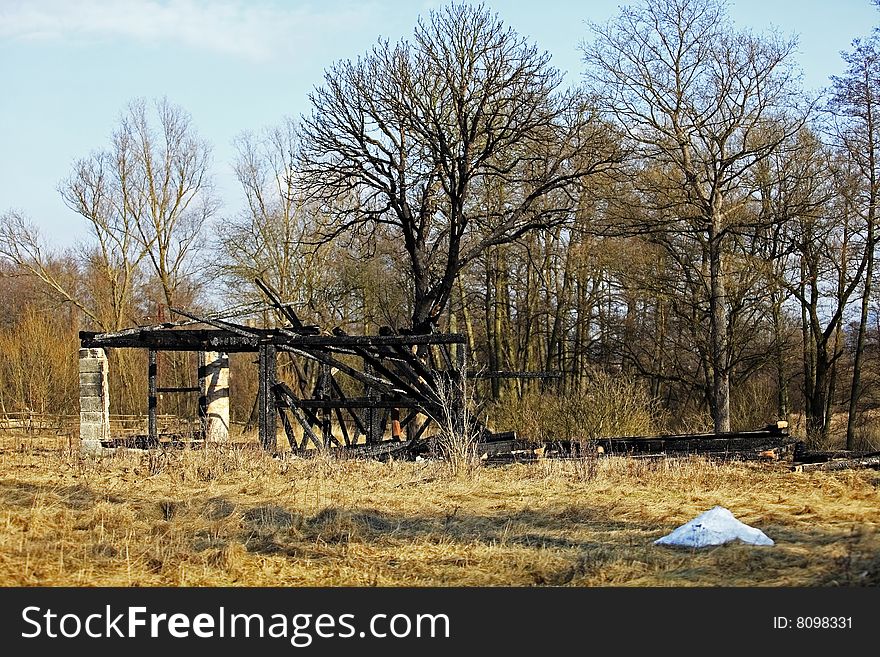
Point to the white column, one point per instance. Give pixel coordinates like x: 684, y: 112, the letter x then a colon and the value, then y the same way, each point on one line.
x: 214, y: 384
x: 94, y: 400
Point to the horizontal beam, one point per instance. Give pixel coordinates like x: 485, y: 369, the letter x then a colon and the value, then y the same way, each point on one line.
x: 363, y: 402
x: 514, y: 375
x: 184, y: 389
x: 218, y: 339
x: 173, y: 340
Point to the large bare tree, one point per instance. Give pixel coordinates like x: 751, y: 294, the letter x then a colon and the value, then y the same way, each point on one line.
x: 703, y: 104
x: 855, y: 105
x: 454, y: 141
x: 145, y: 199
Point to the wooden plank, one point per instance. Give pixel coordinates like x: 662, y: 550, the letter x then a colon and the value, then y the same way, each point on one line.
x: 395, y: 424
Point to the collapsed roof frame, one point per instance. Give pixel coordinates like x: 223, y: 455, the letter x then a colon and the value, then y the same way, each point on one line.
x: 421, y: 373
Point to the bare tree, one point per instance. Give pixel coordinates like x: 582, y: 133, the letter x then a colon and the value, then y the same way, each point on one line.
x: 22, y: 245
x: 703, y: 103
x: 145, y: 199
x: 265, y: 240
x: 166, y: 187
x: 416, y: 136
x: 855, y: 105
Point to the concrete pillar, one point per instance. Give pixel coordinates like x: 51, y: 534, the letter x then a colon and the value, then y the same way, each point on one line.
x: 214, y: 400
x: 94, y: 400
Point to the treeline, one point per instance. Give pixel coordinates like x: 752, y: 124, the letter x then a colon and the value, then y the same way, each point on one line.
x: 686, y: 234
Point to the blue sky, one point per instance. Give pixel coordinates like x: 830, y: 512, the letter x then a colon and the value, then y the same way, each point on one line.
x: 68, y: 68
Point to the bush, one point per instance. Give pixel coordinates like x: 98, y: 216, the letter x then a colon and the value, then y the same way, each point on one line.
x: 604, y: 405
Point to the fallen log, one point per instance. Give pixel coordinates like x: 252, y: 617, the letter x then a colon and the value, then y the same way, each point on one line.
x: 801, y: 455
x: 839, y: 464
x: 386, y: 449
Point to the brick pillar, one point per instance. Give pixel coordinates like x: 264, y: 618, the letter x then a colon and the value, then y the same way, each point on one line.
x: 94, y: 400
x: 214, y: 400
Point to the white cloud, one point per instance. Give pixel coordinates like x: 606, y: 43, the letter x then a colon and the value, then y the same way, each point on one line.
x: 253, y: 30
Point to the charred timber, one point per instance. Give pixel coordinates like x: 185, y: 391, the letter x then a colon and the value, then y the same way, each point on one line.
x: 514, y: 375
x: 364, y: 402
x: 220, y: 339
x: 839, y: 464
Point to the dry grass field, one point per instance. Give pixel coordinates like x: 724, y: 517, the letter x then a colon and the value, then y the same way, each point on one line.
x: 237, y: 517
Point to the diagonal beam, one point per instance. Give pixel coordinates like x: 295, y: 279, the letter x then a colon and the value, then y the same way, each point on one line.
x: 284, y: 309
x: 357, y: 421
x: 219, y: 323
x: 285, y: 395
x: 366, y: 379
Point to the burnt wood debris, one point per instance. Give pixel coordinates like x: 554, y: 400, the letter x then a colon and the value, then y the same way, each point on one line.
x: 405, y: 381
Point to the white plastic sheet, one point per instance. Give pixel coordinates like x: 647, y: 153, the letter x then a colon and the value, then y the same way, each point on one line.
x: 714, y: 527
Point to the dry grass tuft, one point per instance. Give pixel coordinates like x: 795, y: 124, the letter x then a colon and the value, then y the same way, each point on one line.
x: 238, y: 517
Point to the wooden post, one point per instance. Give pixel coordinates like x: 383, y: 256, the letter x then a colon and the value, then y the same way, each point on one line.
x: 324, y: 393
x: 395, y: 424
x: 266, y: 398
x: 371, y: 414
x: 152, y: 398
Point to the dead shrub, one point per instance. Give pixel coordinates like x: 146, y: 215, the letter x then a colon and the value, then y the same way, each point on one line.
x: 604, y: 405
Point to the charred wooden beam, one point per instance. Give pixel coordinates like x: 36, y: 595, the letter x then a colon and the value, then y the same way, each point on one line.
x: 514, y: 375
x: 410, y: 387
x: 363, y: 377
x: 801, y: 455
x: 323, y: 393
x: 285, y: 397
x: 422, y: 427
x: 357, y: 421
x: 233, y: 338
x: 285, y: 309
x: 285, y: 422
x: 366, y: 402
x: 232, y: 327
x: 409, y: 418
x: 265, y: 397
x: 839, y: 464
x: 332, y: 341
x: 383, y: 450
x: 171, y: 340
x: 152, y: 397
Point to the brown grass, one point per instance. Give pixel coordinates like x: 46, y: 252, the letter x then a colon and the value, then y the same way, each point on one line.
x: 237, y: 517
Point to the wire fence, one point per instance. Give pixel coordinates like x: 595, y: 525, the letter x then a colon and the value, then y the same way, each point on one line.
x: 68, y: 424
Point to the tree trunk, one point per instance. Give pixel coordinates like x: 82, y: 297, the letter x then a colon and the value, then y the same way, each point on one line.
x: 779, y: 348
x: 870, y: 244
x: 718, y: 330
